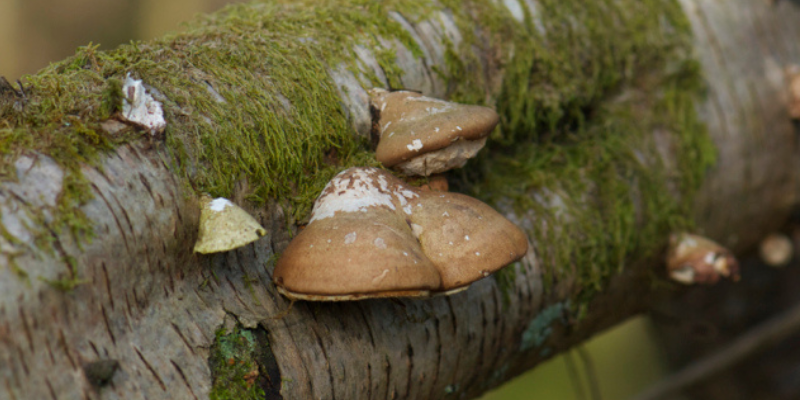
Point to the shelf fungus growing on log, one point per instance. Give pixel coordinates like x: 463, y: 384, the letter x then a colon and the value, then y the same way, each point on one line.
x: 224, y: 226
x: 422, y: 136
x: 140, y: 108
x: 372, y: 235
x: 695, y: 259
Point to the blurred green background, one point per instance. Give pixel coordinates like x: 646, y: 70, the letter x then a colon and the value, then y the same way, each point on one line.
x: 36, y: 32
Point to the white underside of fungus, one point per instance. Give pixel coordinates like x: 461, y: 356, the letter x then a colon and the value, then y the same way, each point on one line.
x: 435, y: 162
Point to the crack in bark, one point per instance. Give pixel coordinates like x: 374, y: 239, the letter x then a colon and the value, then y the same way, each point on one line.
x: 108, y: 284
x: 50, y: 388
x: 26, y: 328
x: 183, y: 376
x: 62, y: 342
x: 327, y: 361
x: 50, y: 351
x: 108, y: 326
x: 114, y: 215
x: 183, y: 339
x: 150, y: 368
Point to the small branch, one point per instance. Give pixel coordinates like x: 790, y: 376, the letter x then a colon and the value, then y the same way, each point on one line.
x: 750, y: 343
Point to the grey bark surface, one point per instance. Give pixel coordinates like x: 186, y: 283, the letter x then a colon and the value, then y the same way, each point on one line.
x: 153, y: 306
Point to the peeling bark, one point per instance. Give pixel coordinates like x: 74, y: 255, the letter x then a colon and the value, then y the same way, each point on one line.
x: 154, y: 307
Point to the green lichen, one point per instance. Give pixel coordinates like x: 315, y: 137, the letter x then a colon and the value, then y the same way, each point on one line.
x: 540, y: 327
x: 234, y: 366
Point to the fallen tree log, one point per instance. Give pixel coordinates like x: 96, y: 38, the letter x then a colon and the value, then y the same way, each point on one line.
x: 601, y: 153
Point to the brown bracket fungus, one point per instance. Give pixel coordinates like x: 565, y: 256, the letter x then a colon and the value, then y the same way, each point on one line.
x: 224, y: 226
x: 776, y: 250
x: 695, y: 259
x: 372, y: 235
x: 422, y: 136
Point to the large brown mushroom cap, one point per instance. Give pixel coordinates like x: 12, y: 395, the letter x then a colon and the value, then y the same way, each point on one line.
x: 356, y: 255
x: 466, y: 239
x: 371, y: 235
x: 422, y: 136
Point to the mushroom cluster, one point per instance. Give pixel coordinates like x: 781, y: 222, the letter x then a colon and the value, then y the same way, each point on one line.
x: 372, y: 235
x: 420, y: 135
x: 695, y: 259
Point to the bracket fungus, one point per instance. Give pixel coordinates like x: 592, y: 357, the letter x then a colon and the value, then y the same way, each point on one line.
x: 224, y: 226
x: 372, y: 235
x: 776, y: 250
x: 140, y: 108
x: 695, y: 259
x: 422, y: 136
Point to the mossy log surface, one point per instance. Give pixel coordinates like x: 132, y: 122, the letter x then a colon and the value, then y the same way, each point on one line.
x: 612, y: 135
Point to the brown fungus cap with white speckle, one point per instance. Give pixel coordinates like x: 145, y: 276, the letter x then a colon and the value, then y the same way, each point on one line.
x: 371, y: 235
x: 420, y: 135
x: 693, y: 259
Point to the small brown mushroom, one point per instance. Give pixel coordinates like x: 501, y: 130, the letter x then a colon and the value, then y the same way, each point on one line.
x: 372, y: 235
x: 776, y: 250
x: 422, y: 136
x: 695, y: 259
x: 224, y: 226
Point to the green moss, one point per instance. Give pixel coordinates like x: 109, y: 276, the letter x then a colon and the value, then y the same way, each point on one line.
x: 64, y: 285
x: 599, y: 197
x: 242, y: 365
x: 567, y: 134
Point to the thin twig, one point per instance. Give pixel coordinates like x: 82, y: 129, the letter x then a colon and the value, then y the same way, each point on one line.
x: 750, y: 343
x: 591, y: 374
x: 577, y: 384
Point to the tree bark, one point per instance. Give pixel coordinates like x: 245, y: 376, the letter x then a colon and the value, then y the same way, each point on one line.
x: 141, y: 298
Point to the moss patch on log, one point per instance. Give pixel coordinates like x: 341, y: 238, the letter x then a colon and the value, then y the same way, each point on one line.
x: 248, y: 98
x: 242, y: 366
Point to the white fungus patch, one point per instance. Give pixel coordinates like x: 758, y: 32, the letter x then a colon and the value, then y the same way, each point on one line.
x: 219, y: 204
x: 354, y: 192
x: 415, y: 145
x: 379, y: 243
x: 350, y: 238
x: 141, y: 108
x: 466, y: 237
x: 709, y: 257
x: 445, y: 214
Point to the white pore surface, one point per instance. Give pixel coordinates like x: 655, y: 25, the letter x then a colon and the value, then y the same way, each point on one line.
x: 355, y: 190
x: 219, y: 204
x: 141, y: 108
x: 453, y: 156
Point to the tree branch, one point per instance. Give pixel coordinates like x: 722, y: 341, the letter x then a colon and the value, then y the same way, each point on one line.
x: 599, y: 192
